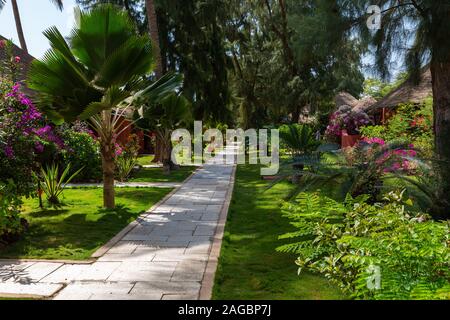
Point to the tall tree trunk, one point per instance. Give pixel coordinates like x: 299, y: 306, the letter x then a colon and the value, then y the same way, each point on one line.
x: 23, y: 43
x: 441, y: 93
x: 440, y: 71
x: 154, y: 34
x: 107, y: 150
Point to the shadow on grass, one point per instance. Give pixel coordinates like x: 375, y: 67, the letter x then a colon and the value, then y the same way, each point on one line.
x: 249, y: 267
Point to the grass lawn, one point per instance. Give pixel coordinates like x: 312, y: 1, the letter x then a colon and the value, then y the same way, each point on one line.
x: 145, y: 160
x: 249, y: 266
x: 158, y: 175
x: 78, y: 229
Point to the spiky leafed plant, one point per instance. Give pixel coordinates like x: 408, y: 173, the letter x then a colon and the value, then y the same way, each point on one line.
x: 356, y: 172
x: 20, y: 34
x: 103, y: 66
x: 53, y: 183
x: 299, y: 139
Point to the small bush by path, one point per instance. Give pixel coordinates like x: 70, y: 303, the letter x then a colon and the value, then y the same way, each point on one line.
x: 81, y: 226
x: 249, y: 266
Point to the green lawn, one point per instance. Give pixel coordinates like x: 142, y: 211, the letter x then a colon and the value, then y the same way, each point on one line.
x: 249, y: 266
x: 78, y: 229
x: 145, y: 160
x: 158, y: 175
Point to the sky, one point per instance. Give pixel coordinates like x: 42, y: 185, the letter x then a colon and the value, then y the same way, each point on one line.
x: 36, y: 16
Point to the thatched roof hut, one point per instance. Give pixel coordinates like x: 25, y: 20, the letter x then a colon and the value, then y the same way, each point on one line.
x: 408, y: 92
x: 345, y: 99
x: 364, y: 104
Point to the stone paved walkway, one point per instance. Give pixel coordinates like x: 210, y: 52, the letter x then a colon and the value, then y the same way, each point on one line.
x: 163, y: 257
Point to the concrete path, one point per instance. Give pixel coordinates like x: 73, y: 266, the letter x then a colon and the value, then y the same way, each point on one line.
x: 164, y: 254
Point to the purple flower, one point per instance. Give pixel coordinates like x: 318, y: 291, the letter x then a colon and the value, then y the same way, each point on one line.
x: 9, y: 152
x: 38, y: 147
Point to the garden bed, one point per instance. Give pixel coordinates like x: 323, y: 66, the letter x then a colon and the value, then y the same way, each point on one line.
x: 81, y: 226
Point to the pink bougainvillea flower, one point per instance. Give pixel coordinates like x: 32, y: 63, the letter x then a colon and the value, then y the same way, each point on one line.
x: 9, y: 152
x: 38, y: 147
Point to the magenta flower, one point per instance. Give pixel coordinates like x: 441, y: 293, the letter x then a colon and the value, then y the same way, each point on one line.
x: 38, y: 147
x: 9, y: 152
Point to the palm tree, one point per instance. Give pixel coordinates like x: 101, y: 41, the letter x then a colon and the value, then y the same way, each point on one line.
x: 98, y: 75
x: 163, y: 118
x: 23, y: 44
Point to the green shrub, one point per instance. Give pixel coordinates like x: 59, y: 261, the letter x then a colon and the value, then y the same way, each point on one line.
x: 373, y: 132
x: 350, y: 242
x: 411, y: 122
x: 11, y: 226
x: 82, y: 151
x: 127, y: 157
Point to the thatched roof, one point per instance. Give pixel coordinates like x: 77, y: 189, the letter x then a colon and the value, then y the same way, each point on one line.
x: 364, y: 104
x: 408, y: 92
x: 25, y: 59
x: 345, y: 99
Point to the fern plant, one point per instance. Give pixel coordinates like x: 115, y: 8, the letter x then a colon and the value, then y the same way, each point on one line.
x: 346, y: 241
x: 53, y: 184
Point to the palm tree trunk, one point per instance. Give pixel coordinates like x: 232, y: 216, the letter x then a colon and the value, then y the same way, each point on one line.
x: 107, y: 150
x: 108, y: 178
x: 154, y: 34
x: 23, y: 43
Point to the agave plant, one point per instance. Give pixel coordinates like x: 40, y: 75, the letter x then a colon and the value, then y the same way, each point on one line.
x: 53, y: 184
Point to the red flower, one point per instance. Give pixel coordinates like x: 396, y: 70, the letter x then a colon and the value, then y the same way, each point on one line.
x: 17, y: 59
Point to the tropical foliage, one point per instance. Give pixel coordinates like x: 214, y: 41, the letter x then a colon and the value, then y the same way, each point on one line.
x: 346, y: 118
x: 299, y: 139
x: 127, y: 159
x: 379, y: 251
x: 170, y: 113
x: 53, y: 183
x: 102, y: 67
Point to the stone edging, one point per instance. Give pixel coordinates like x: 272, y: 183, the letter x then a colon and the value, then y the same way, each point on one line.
x: 207, y: 283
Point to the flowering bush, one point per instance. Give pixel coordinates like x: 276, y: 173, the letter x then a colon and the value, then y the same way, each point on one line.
x: 394, y: 160
x: 82, y: 151
x: 24, y: 135
x: 411, y: 122
x: 348, y: 119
